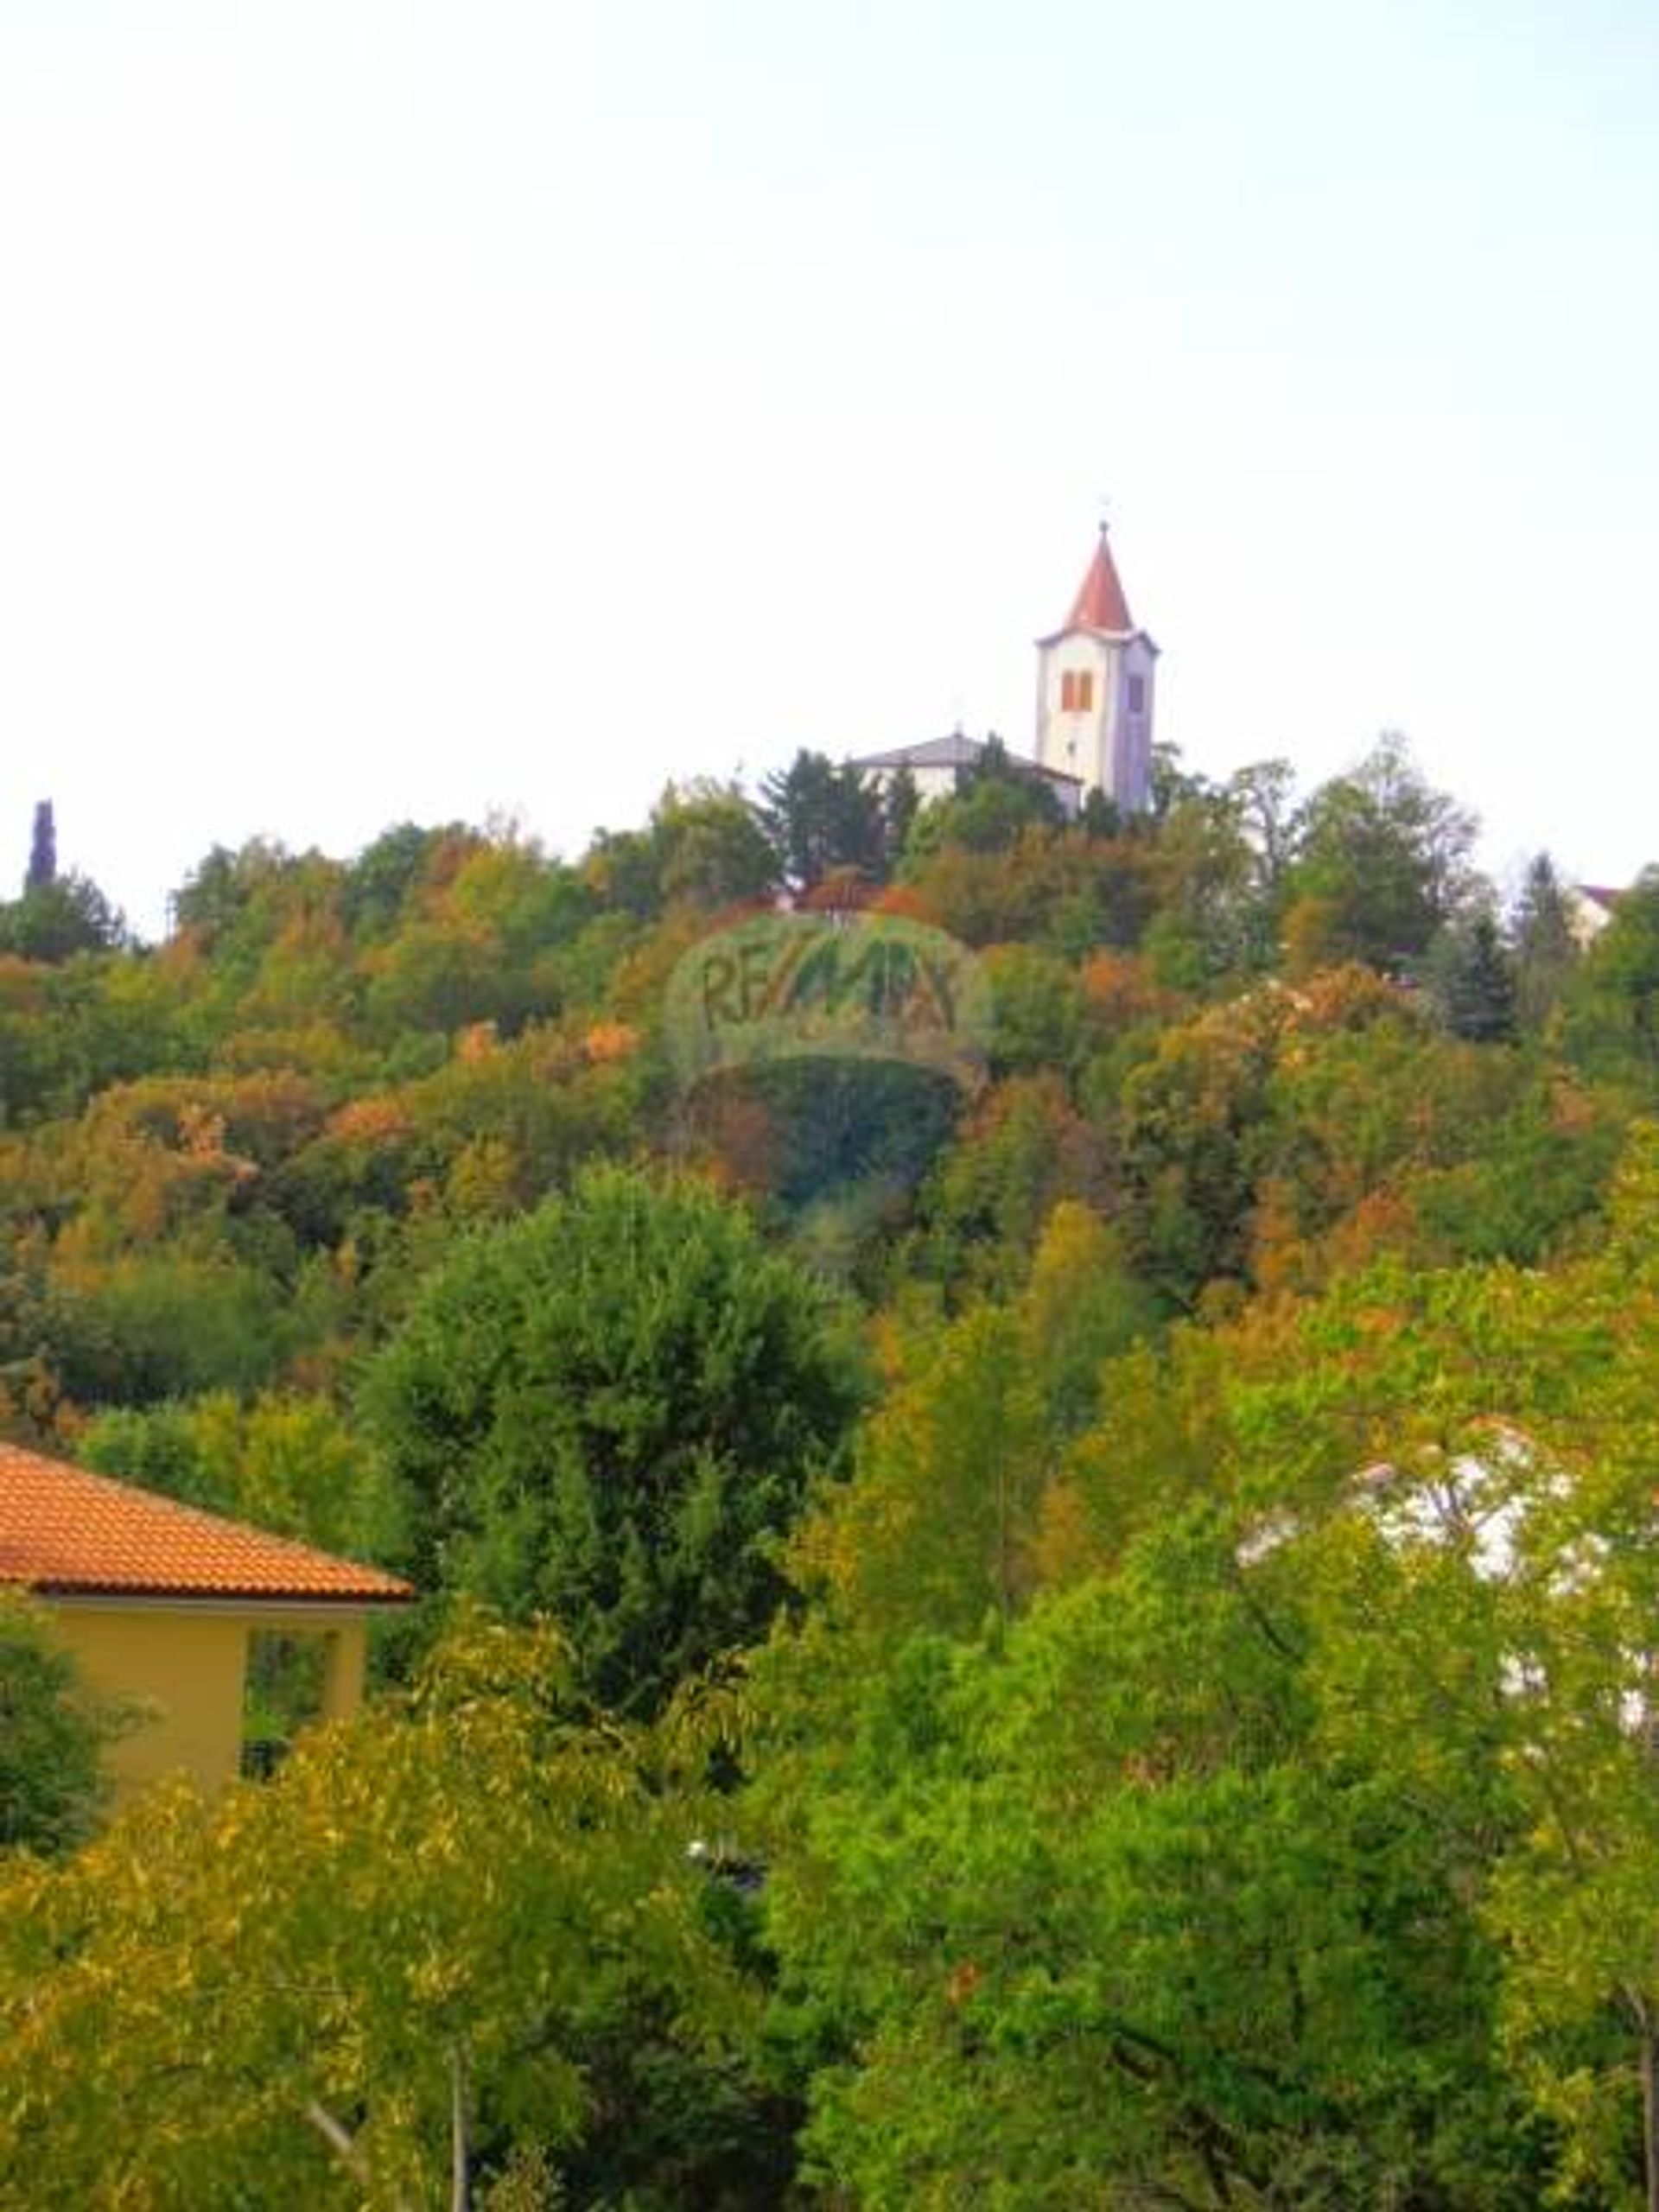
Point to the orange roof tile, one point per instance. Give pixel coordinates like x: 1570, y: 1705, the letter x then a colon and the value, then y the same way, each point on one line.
x: 65, y: 1532
x: 1100, y: 604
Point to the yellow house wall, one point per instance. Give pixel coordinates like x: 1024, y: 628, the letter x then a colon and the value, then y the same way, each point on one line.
x: 186, y: 1665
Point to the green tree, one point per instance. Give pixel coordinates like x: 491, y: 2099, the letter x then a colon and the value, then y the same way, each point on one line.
x: 1261, y: 793
x: 997, y: 798
x: 710, y: 851
x: 623, y: 869
x: 1453, y: 1470
x: 464, y: 1927
x: 59, y: 917
x: 942, y: 1521
x: 1215, y: 915
x: 610, y: 1411
x: 1612, y: 1021
x: 164, y: 1324
x: 1500, y: 1598
x: 435, y: 975
x: 820, y: 817
x: 1101, y: 817
x: 1173, y: 784
x: 286, y: 1463
x: 1541, y: 943
x: 990, y: 815
x: 225, y: 886
x: 1039, y: 1006
x: 1472, y: 977
x: 1101, y: 1916
x: 381, y: 880
x: 1578, y: 1575
x: 900, y: 804
x: 1081, y: 1307
x: 53, y: 1732
x: 935, y: 1528
x: 1383, y: 859
x: 1023, y: 1150
x: 1186, y: 1118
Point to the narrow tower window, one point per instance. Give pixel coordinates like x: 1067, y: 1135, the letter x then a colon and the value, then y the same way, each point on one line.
x: 1077, y: 691
x: 1137, y: 695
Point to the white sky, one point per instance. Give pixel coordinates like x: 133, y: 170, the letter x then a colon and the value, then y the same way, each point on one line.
x: 412, y: 409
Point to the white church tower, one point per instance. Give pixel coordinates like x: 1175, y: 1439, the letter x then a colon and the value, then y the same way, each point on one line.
x: 1094, y: 691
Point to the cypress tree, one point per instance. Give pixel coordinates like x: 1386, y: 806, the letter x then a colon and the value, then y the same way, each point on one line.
x: 42, y: 850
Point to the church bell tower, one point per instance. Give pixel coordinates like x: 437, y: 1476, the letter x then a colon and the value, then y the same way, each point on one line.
x: 1094, y: 691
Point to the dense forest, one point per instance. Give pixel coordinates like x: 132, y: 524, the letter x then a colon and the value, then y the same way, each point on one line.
x: 1083, y: 1640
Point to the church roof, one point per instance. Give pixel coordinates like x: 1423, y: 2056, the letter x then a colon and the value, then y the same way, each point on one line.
x: 1100, y: 603
x: 957, y: 751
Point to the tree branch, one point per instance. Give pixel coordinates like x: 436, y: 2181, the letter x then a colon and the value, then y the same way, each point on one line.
x: 343, y: 2144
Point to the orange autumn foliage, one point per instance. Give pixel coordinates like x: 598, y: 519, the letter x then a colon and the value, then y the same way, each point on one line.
x: 608, y: 1041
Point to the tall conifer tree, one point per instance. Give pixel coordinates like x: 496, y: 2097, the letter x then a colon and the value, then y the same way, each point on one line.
x: 42, y: 850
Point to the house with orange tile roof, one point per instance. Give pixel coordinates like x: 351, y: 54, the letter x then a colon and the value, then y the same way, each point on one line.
x: 160, y: 1602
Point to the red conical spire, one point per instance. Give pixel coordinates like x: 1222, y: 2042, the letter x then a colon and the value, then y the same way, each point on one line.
x: 1100, y: 604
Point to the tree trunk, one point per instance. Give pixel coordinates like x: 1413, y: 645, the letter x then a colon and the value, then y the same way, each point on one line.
x: 460, y: 2151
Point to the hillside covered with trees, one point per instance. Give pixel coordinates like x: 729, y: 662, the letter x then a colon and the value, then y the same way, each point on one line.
x: 1081, y: 1641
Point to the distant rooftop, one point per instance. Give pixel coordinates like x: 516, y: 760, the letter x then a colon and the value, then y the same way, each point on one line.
x: 67, y: 1533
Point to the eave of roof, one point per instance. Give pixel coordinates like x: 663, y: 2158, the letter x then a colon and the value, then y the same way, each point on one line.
x: 1107, y: 636
x: 218, y: 1593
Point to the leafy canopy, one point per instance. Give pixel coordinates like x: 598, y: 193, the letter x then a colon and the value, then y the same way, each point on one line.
x: 277, y: 1997
x: 52, y: 1734
x: 610, y: 1411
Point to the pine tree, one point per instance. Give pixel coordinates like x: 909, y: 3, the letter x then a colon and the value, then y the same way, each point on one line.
x: 1541, y: 938
x: 820, y: 817
x: 900, y: 804
x: 1472, y: 976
